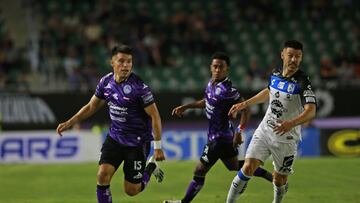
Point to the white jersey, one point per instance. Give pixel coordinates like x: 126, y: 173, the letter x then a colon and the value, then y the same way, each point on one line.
x: 287, y: 97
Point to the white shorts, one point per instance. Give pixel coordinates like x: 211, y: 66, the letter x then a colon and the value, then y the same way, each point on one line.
x: 283, y: 154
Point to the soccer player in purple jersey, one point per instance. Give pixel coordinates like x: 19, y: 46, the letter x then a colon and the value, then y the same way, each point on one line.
x: 222, y: 144
x: 135, y: 122
x: 292, y: 102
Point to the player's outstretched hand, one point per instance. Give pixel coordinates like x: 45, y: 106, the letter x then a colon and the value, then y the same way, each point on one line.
x: 237, y: 107
x: 283, y: 127
x: 237, y: 140
x: 159, y: 155
x: 62, y: 127
x: 178, y: 111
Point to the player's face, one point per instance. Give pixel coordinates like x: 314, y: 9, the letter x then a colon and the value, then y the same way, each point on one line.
x: 219, y: 69
x: 291, y: 59
x: 122, y: 65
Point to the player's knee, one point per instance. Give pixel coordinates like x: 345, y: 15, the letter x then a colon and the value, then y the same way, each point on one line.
x: 248, y: 169
x: 279, y: 180
x: 200, y: 170
x: 103, y: 177
x: 132, y: 190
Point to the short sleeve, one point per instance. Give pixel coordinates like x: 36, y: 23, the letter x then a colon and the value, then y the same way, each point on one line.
x: 146, y: 96
x: 99, y: 92
x: 306, y: 91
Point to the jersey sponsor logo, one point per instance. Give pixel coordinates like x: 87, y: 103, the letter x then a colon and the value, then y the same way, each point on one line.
x: 309, y: 99
x: 127, y: 89
x: 291, y: 88
x: 147, y: 98
x: 273, y: 82
x: 309, y: 93
x: 145, y: 86
x: 281, y: 85
x: 287, y: 163
x: 115, y: 96
x: 277, y: 108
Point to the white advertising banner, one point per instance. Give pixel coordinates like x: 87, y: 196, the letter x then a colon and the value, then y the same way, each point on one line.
x: 49, y: 147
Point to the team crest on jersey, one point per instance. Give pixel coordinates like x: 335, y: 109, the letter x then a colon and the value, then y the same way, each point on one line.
x: 217, y: 90
x: 127, y: 89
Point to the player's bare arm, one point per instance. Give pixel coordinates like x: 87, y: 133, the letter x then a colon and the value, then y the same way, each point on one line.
x: 179, y: 110
x: 153, y: 112
x: 245, y: 117
x: 261, y: 97
x: 285, y: 126
x: 85, y: 112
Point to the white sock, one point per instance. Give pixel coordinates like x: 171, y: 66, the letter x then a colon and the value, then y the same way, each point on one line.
x: 237, y: 187
x: 279, y: 192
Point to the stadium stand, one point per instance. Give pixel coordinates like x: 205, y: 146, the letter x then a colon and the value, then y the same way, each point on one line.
x: 172, y: 41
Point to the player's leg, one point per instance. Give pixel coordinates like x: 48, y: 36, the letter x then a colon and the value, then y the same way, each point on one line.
x: 280, y: 187
x: 136, y: 176
x: 207, y: 160
x: 110, y: 160
x: 197, y: 183
x: 104, y: 175
x: 256, y: 154
x: 240, y: 181
x: 233, y: 164
x: 283, y: 155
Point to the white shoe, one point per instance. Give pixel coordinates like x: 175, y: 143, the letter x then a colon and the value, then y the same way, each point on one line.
x: 172, y: 201
x: 158, y: 173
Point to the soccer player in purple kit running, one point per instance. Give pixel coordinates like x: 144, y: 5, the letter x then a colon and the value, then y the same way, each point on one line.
x: 135, y: 122
x: 222, y: 144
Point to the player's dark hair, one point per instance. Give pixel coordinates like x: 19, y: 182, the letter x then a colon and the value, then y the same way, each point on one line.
x: 122, y: 48
x: 293, y: 44
x: 221, y: 56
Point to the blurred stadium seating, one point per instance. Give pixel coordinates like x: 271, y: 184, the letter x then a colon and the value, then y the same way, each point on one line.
x: 69, y: 41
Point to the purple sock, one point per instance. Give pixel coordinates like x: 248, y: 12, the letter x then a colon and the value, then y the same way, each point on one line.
x: 260, y: 172
x: 103, y: 194
x: 145, y: 180
x: 194, y: 187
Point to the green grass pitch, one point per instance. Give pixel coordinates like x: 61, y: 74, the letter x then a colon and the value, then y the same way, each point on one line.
x: 320, y: 180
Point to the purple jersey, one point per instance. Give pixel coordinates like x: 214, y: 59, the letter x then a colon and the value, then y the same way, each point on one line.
x: 219, y: 98
x: 130, y: 125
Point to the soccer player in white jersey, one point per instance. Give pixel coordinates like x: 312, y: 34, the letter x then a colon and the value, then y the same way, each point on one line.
x: 292, y: 102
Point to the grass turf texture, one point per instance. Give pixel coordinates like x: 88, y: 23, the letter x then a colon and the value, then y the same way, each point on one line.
x: 321, y: 180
